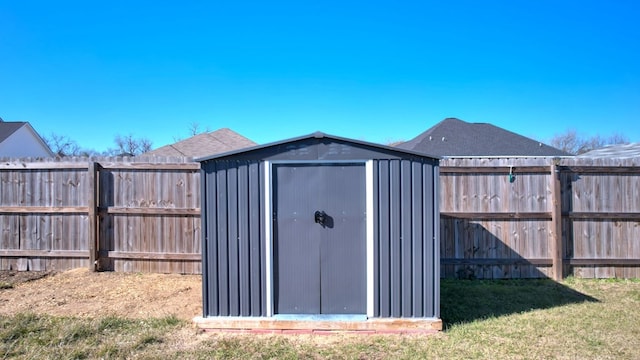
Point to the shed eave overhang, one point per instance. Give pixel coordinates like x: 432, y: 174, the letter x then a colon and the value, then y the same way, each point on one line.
x: 316, y: 135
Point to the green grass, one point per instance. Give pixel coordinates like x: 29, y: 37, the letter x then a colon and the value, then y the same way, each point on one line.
x: 32, y: 336
x: 5, y: 285
x: 510, y: 319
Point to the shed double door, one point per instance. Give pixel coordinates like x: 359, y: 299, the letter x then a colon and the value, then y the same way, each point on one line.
x: 319, y: 239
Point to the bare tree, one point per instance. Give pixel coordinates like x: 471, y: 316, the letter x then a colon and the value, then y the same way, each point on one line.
x: 62, y: 145
x: 573, y: 143
x: 618, y: 138
x: 130, y: 146
x: 194, y: 129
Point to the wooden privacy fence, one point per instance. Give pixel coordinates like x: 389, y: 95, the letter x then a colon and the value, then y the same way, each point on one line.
x: 500, y: 217
x: 122, y: 214
x: 45, y: 212
x: 540, y: 217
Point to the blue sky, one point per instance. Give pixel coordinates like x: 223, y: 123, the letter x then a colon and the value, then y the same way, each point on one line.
x: 378, y: 71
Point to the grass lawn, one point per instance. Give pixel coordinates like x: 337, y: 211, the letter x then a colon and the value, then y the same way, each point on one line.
x: 510, y: 319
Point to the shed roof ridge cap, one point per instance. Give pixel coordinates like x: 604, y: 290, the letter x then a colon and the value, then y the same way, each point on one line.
x: 319, y: 135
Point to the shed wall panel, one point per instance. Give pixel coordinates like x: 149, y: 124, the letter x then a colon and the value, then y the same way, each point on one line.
x: 233, y: 243
x: 233, y: 240
x: 209, y: 224
x: 405, y: 231
x: 384, y: 240
x: 406, y: 237
x: 244, y: 260
x: 431, y: 307
x: 417, y: 256
x: 222, y: 272
x: 395, y: 194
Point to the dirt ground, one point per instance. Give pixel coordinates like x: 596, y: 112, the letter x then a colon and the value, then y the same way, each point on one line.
x: 81, y: 292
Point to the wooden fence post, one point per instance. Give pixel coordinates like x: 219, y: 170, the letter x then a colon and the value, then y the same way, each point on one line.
x: 92, y: 202
x: 556, y: 222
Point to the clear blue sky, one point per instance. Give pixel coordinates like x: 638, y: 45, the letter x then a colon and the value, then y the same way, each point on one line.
x: 270, y: 70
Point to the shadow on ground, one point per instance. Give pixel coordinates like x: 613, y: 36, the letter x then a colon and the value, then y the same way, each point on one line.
x: 464, y: 301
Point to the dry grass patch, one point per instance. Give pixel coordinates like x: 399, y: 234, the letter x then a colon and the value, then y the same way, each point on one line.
x: 81, y: 292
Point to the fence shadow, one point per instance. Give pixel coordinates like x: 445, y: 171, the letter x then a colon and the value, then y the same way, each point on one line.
x: 484, y: 277
x: 464, y: 301
x: 468, y: 250
x: 106, y: 221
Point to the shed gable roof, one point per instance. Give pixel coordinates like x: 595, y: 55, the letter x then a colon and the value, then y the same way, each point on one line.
x: 454, y: 137
x: 305, y: 148
x: 219, y: 141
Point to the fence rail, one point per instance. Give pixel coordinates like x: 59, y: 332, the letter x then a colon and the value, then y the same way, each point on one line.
x: 500, y: 217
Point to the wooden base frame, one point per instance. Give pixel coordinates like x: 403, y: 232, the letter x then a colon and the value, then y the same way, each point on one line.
x: 373, y: 325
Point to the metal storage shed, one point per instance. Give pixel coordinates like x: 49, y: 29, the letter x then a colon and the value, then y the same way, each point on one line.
x: 320, y: 232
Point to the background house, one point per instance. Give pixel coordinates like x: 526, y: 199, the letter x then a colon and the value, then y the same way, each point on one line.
x: 19, y: 139
x: 215, y: 142
x: 618, y: 151
x: 453, y: 137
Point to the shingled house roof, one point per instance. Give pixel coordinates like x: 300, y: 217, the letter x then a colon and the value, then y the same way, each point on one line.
x: 215, y: 142
x: 453, y: 137
x: 8, y: 128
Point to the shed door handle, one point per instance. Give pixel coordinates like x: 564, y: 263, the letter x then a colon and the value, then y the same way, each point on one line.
x: 319, y: 217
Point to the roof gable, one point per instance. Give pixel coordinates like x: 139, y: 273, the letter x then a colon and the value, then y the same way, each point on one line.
x: 454, y: 137
x: 8, y: 128
x: 20, y: 139
x: 318, y: 146
x: 219, y: 141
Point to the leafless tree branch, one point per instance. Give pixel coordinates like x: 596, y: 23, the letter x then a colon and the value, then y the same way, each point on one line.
x: 573, y: 143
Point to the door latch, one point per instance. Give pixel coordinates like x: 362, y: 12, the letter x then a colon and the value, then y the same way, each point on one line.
x: 320, y: 217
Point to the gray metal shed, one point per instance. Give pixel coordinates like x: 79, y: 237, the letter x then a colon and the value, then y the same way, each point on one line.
x: 320, y: 232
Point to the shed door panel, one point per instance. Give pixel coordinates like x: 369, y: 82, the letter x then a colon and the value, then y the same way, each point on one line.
x: 296, y: 245
x: 319, y: 269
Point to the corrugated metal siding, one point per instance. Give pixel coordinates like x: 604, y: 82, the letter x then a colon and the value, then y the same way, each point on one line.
x: 405, y: 269
x: 233, y: 274
x: 406, y: 273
